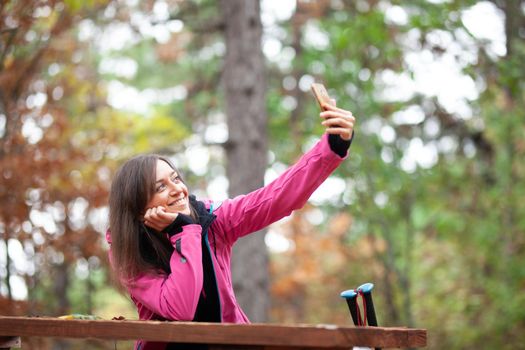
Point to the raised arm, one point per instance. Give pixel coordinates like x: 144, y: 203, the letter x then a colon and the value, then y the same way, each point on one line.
x: 248, y: 213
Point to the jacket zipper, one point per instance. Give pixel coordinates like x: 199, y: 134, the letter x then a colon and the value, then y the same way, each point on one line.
x: 214, y: 274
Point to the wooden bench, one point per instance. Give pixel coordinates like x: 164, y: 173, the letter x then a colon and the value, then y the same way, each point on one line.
x: 216, y: 335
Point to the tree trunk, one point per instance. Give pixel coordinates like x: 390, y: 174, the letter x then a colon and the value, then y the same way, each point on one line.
x: 90, y: 290
x: 246, y: 150
x: 61, y: 286
x: 7, y: 268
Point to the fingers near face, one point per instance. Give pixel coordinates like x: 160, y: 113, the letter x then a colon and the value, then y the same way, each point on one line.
x: 152, y: 214
x: 158, y: 218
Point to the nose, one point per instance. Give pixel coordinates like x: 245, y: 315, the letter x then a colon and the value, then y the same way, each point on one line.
x: 175, y: 186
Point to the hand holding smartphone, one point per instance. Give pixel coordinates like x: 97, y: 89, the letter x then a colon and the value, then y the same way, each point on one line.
x: 337, y: 121
x: 321, y: 95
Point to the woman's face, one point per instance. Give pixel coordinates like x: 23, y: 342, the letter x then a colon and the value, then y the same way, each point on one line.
x: 170, y: 192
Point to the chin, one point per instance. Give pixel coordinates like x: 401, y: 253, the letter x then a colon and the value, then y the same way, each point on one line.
x: 185, y: 211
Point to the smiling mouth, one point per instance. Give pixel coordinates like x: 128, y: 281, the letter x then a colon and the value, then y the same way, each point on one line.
x: 178, y: 202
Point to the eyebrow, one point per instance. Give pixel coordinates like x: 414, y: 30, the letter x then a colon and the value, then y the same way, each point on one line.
x: 171, y: 174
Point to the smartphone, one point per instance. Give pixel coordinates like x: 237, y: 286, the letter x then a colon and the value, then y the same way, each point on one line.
x: 321, y: 95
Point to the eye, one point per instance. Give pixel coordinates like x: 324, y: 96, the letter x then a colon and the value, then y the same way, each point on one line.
x: 176, y: 178
x: 160, y: 187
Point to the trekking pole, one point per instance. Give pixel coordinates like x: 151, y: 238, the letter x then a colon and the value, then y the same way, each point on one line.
x: 366, y: 290
x: 351, y: 300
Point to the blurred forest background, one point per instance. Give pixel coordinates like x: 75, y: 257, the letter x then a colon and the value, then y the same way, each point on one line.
x: 429, y: 207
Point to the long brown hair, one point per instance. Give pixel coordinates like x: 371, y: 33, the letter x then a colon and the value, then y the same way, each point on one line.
x: 136, y: 248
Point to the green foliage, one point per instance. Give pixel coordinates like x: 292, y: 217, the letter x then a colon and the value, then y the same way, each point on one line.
x: 444, y: 244
x: 454, y: 231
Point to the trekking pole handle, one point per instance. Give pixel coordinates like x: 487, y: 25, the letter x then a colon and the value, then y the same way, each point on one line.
x: 366, y: 290
x: 351, y: 299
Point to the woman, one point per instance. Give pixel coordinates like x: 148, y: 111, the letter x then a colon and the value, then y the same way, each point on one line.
x: 172, y: 252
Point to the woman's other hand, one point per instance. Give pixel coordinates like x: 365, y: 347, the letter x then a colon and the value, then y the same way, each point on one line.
x: 337, y: 121
x: 158, y: 218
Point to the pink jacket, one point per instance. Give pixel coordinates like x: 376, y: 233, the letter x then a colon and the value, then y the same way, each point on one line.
x: 175, y: 296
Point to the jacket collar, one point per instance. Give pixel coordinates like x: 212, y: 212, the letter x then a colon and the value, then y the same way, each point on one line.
x: 204, y: 217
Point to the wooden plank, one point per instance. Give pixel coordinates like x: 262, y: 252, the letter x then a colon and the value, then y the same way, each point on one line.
x: 417, y: 338
x: 266, y: 335
x: 258, y: 347
x: 10, y: 342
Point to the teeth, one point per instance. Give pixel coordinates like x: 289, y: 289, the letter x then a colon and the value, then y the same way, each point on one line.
x: 178, y: 201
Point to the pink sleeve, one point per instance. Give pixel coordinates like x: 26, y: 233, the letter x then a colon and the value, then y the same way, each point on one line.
x: 248, y: 213
x: 174, y: 296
